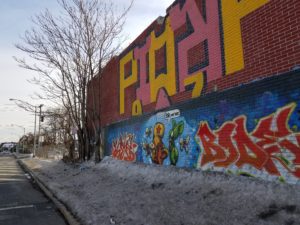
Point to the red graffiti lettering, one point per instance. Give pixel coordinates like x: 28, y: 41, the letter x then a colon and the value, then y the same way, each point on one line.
x: 124, y: 148
x: 250, y: 153
x: 270, y: 141
x: 225, y: 140
x: 213, y: 152
x: 273, y: 135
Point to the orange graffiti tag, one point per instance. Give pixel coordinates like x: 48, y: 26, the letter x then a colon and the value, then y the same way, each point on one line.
x: 124, y: 148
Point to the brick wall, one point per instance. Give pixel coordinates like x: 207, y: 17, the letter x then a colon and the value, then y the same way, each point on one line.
x: 269, y: 33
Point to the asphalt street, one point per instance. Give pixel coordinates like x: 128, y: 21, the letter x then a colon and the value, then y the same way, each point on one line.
x: 21, y: 201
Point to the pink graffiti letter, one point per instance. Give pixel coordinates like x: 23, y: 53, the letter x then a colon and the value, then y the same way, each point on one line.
x: 140, y: 54
x: 205, y: 30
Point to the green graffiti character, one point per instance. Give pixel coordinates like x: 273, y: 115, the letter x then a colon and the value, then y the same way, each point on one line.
x: 174, y: 133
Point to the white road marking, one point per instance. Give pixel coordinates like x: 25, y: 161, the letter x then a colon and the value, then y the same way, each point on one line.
x: 12, y: 174
x: 11, y: 179
x: 17, y: 207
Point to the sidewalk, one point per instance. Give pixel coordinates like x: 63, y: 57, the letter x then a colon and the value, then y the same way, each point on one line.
x: 116, y: 192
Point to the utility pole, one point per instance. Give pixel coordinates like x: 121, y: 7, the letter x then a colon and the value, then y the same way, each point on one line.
x: 34, y: 132
x: 40, y: 116
x: 23, y: 139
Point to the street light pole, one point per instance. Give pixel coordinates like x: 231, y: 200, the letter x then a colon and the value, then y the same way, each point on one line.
x: 30, y: 108
x: 24, y: 130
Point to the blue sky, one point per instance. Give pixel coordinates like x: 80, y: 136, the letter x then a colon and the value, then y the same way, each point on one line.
x: 14, y: 21
x: 15, y: 16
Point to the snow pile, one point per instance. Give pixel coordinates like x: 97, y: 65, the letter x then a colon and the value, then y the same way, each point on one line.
x: 117, y: 192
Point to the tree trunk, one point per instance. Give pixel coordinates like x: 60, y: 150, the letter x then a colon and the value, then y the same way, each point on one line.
x: 97, y: 145
x: 81, y: 145
x: 86, y: 144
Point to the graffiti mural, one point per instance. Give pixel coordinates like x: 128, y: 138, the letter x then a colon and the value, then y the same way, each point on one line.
x: 156, y: 148
x: 124, y: 147
x: 271, y: 140
x: 246, y: 130
x: 201, y: 41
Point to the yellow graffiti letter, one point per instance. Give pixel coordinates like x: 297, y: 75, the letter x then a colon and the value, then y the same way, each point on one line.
x: 198, y: 80
x: 168, y: 80
x: 136, y: 108
x: 232, y: 13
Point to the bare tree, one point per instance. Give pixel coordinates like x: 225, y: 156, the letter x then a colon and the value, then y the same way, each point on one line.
x: 68, y: 51
x: 58, y: 130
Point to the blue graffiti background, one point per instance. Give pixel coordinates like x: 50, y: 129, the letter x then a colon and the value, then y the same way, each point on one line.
x: 255, y: 101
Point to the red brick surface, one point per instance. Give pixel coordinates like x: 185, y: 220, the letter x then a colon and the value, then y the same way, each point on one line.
x: 271, y: 44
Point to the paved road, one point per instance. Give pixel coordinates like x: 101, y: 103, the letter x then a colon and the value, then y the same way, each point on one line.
x: 21, y: 202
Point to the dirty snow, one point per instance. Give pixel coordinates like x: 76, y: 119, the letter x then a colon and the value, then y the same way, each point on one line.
x: 117, y: 192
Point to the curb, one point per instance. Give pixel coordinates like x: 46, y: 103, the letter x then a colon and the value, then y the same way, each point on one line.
x: 60, y: 206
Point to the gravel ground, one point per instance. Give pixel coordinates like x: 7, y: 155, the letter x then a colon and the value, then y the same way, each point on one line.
x: 117, y: 192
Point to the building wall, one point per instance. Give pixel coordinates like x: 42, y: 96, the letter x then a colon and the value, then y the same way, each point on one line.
x: 252, y: 130
x: 200, y: 49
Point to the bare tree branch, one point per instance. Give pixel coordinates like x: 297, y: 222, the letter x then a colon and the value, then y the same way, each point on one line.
x: 69, y: 50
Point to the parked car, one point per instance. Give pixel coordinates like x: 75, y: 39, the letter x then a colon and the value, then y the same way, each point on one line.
x: 8, y: 147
